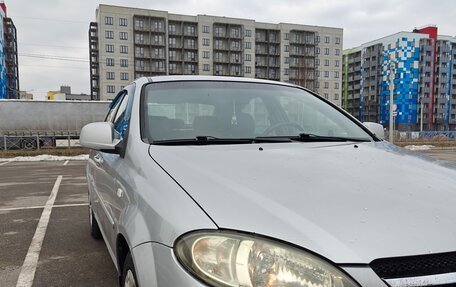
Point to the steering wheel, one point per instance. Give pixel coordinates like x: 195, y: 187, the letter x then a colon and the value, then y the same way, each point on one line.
x: 280, y: 125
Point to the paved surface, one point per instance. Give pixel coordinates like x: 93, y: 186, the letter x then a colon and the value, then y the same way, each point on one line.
x: 68, y: 256
x: 449, y: 155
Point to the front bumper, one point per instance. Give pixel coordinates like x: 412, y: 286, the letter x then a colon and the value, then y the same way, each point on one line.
x: 156, y: 266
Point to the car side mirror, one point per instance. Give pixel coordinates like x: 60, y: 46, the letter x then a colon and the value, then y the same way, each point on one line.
x: 99, y: 136
x: 376, y: 129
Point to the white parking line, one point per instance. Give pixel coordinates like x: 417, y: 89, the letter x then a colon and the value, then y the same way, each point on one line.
x: 3, y: 163
x: 31, y: 259
x: 42, y: 206
x: 66, y: 162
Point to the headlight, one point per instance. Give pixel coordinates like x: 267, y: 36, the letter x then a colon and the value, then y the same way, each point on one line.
x: 232, y: 259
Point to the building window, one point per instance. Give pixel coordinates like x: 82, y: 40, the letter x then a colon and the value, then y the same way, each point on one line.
x: 317, y: 62
x: 326, y: 95
x: 109, y: 62
x: 317, y: 50
x: 172, y: 55
x: 327, y: 39
x: 139, y: 24
x: 336, y: 86
x: 218, y: 31
x: 336, y: 96
x: 248, y: 57
x: 286, y: 71
x: 123, y: 49
x: 123, y: 35
x: 286, y: 35
x: 110, y: 76
x: 205, y: 42
x: 286, y: 60
x: 172, y: 67
x: 336, y: 74
x: 248, y: 69
x: 337, y: 52
x: 326, y: 62
x: 317, y: 39
x: 235, y: 32
x: 172, y: 42
x: 109, y: 48
x: 337, y: 63
x: 109, y: 34
x: 191, y: 44
x: 218, y: 44
x: 123, y: 22
x: 111, y: 89
x: 190, y: 69
x: 326, y: 51
x: 158, y: 25
x: 190, y: 30
x: 139, y: 39
x: 317, y: 85
x: 326, y: 74
x: 317, y: 73
x: 206, y: 29
x: 206, y: 67
x: 326, y: 85
x: 235, y: 45
x: 139, y: 51
x: 337, y: 40
x: 287, y: 48
x: 190, y: 56
x: 172, y: 28
x: 109, y: 20
x: 248, y: 33
x: 158, y: 39
x: 248, y: 45
x: 124, y: 76
x: 206, y: 55
x: 139, y: 64
x: 124, y: 62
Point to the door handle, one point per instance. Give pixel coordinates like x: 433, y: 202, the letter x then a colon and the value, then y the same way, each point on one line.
x: 98, y: 158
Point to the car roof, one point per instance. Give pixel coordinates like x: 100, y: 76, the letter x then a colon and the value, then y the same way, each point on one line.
x: 157, y: 79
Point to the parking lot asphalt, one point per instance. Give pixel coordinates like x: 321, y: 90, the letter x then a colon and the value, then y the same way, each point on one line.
x: 67, y: 254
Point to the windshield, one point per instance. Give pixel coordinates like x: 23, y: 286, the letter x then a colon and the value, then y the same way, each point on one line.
x: 234, y: 110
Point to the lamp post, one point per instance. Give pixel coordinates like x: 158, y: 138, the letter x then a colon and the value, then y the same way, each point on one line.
x: 421, y: 114
x: 391, y: 104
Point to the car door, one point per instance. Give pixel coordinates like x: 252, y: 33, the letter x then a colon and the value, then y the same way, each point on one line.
x: 114, y: 168
x: 103, y: 183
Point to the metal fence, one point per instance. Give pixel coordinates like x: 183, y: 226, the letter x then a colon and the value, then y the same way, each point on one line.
x: 10, y: 142
x: 424, y: 136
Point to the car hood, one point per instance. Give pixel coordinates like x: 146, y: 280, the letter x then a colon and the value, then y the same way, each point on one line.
x: 351, y: 203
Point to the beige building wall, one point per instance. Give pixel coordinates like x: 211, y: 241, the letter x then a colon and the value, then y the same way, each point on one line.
x: 328, y: 67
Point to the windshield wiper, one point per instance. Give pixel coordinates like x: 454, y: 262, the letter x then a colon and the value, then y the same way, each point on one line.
x: 211, y: 140
x: 305, y: 137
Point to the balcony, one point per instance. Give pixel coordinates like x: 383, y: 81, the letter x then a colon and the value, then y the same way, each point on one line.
x: 221, y: 60
x: 177, y: 58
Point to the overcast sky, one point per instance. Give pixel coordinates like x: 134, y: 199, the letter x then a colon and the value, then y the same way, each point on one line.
x: 60, y: 27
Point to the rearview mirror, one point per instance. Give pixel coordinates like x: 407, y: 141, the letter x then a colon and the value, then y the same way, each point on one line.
x: 376, y: 129
x: 99, y: 136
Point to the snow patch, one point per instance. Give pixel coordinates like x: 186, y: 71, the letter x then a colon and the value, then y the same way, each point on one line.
x: 419, y: 147
x: 45, y: 157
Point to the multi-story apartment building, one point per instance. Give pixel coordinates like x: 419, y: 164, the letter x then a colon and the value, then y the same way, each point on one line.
x: 11, y: 59
x: 127, y: 43
x: 9, y: 69
x: 421, y: 64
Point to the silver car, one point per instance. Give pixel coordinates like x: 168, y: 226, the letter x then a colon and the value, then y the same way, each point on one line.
x: 213, y: 181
